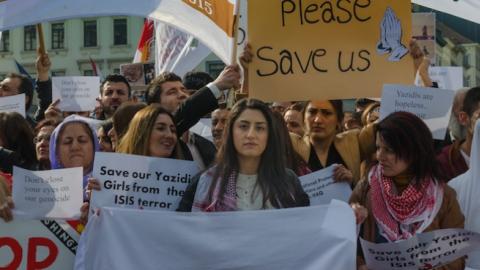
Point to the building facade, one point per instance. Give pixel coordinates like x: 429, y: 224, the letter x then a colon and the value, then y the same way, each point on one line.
x: 109, y: 41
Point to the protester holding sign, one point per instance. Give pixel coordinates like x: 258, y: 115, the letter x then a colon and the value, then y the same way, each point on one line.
x: 16, y: 143
x: 324, y: 145
x: 73, y: 144
x: 250, y: 172
x: 15, y: 84
x: 404, y: 193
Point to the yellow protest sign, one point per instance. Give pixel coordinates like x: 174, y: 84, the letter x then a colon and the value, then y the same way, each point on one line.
x: 328, y: 49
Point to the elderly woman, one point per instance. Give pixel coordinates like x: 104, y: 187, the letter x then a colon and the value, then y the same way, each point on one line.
x: 73, y: 143
x: 404, y: 193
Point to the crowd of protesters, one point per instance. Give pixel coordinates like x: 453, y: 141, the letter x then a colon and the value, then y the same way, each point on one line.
x: 398, y: 173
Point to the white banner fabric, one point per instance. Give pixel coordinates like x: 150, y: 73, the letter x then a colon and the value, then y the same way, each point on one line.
x: 320, y: 237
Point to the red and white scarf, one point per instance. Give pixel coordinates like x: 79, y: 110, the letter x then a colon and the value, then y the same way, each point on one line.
x: 400, y: 216
x: 227, y: 202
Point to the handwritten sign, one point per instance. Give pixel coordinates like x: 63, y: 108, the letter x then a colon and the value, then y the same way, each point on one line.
x: 14, y: 103
x: 76, y: 94
x: 48, y: 194
x: 424, y: 251
x: 432, y: 105
x: 321, y: 188
x: 306, y: 49
x: 140, y: 182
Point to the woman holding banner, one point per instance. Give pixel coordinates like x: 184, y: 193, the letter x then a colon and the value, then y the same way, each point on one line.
x: 250, y: 171
x: 403, y: 193
x: 152, y: 132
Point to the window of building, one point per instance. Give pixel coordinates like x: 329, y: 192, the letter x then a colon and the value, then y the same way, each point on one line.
x: 5, y: 42
x: 88, y: 72
x: 90, y: 33
x: 30, y: 38
x: 58, y: 73
x: 116, y: 71
x: 119, y: 31
x: 214, y: 68
x: 58, y: 35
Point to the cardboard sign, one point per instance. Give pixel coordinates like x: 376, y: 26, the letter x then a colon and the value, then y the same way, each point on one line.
x: 76, y: 94
x: 432, y: 105
x: 56, y: 194
x: 14, y: 103
x: 35, y: 244
x: 423, y: 31
x: 423, y: 251
x: 140, y: 182
x: 321, y: 188
x: 310, y: 49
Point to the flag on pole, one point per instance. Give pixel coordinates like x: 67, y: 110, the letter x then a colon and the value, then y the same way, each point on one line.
x: 96, y: 70
x: 144, y: 48
x: 23, y: 71
x: 212, y: 22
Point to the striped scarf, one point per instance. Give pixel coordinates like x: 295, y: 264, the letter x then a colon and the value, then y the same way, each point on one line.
x: 227, y: 202
x: 400, y: 216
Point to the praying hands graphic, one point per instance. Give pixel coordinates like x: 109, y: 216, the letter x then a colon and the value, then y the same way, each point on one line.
x: 391, y: 37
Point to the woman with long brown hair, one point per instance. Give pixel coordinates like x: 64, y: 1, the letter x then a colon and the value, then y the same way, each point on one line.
x: 250, y: 171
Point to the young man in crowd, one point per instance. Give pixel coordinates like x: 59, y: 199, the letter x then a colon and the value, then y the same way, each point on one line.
x: 16, y: 84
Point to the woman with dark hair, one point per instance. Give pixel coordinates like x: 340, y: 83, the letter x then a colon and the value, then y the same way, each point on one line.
x: 16, y: 143
x: 43, y: 131
x: 121, y: 119
x: 323, y: 144
x: 102, y: 134
x: 250, y: 171
x: 404, y: 192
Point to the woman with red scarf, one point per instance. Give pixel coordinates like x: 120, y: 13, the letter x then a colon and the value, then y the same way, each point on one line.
x: 404, y: 193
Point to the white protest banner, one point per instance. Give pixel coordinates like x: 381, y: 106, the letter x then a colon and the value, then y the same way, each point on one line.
x: 35, y: 244
x: 450, y: 78
x: 140, y: 182
x: 76, y: 93
x: 55, y: 194
x: 321, y: 188
x: 423, y: 251
x: 211, y: 21
x: 255, y: 240
x: 432, y: 105
x: 466, y: 9
x: 14, y: 103
x: 203, y: 128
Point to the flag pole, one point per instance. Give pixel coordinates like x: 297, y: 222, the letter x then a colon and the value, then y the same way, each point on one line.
x: 41, y: 40
x: 232, y: 94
